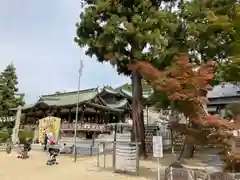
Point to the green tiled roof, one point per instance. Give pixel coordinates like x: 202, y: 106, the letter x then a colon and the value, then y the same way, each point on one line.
x: 108, y: 108
x: 111, y: 90
x: 119, y: 104
x: 70, y: 98
x: 146, y: 93
x: 126, y: 90
x: 64, y: 99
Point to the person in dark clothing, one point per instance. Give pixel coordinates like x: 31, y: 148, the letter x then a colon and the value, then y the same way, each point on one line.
x: 26, y: 148
x: 53, y: 153
x: 45, y: 141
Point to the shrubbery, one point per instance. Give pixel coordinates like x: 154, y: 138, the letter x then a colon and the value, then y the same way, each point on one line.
x: 4, y: 135
x: 27, y: 133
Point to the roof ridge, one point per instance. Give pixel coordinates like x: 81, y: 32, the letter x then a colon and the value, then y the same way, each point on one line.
x: 67, y: 93
x: 123, y: 86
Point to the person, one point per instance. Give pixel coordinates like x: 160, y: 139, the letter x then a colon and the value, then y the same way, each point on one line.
x: 9, y: 146
x: 27, y: 145
x: 45, y: 141
x: 53, y: 153
x: 26, y: 148
x: 51, y: 142
x: 50, y: 135
x: 63, y: 149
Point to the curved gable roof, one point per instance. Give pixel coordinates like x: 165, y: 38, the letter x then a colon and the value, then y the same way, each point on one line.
x: 226, y: 90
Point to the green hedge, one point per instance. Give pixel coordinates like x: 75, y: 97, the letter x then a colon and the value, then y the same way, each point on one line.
x: 4, y: 135
x: 27, y: 133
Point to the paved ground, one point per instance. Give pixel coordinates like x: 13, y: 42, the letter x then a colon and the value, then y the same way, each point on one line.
x: 34, y: 168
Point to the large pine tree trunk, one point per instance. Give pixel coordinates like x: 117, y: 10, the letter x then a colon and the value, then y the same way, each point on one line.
x: 138, y: 129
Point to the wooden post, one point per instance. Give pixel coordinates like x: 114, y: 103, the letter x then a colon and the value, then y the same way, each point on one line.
x: 82, y: 115
x: 98, y: 155
x: 147, y: 114
x: 70, y: 115
x: 93, y: 139
x: 137, y: 158
x: 58, y: 112
x: 172, y: 142
x: 44, y: 113
x: 104, y: 154
x: 96, y: 117
x: 114, y: 148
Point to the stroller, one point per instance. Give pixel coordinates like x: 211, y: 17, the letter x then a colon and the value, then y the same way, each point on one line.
x: 53, y: 153
x: 24, y: 151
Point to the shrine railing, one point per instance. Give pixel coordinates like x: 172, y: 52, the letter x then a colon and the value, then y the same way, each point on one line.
x: 83, y: 126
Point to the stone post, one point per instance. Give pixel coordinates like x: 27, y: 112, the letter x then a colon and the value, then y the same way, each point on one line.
x: 15, y: 132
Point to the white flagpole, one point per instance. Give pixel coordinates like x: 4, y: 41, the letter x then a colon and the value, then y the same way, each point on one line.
x: 77, y: 109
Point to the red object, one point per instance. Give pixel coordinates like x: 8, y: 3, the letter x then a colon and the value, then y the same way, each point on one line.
x: 211, y: 118
x: 209, y: 76
x: 52, y: 142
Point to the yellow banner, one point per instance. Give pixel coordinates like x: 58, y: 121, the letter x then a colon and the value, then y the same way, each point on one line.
x: 50, y: 125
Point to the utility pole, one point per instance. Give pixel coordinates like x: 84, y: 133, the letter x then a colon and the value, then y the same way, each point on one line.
x: 77, y: 109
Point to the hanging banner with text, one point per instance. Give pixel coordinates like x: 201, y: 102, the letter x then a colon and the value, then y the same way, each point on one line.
x: 49, y: 124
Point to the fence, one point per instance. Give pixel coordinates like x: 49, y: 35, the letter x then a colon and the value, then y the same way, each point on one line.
x: 166, y: 135
x: 189, y: 174
x: 125, y: 156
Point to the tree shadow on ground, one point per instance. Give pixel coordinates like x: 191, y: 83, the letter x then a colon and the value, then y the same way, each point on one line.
x: 149, y: 173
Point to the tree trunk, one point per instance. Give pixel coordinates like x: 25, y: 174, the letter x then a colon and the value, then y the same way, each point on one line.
x: 138, y: 129
x: 189, y: 149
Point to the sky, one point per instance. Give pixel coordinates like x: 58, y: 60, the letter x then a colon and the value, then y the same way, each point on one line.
x: 37, y: 36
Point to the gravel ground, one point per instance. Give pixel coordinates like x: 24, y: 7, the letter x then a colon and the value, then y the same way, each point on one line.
x: 35, y: 167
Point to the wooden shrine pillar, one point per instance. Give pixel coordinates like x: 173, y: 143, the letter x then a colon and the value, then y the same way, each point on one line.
x: 96, y: 118
x: 105, y: 117
x: 82, y: 119
x: 45, y: 113
x: 49, y: 112
x: 58, y: 112
x: 69, y: 114
x: 101, y: 117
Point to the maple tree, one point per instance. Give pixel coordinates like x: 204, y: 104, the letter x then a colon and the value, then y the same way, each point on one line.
x: 187, y: 85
